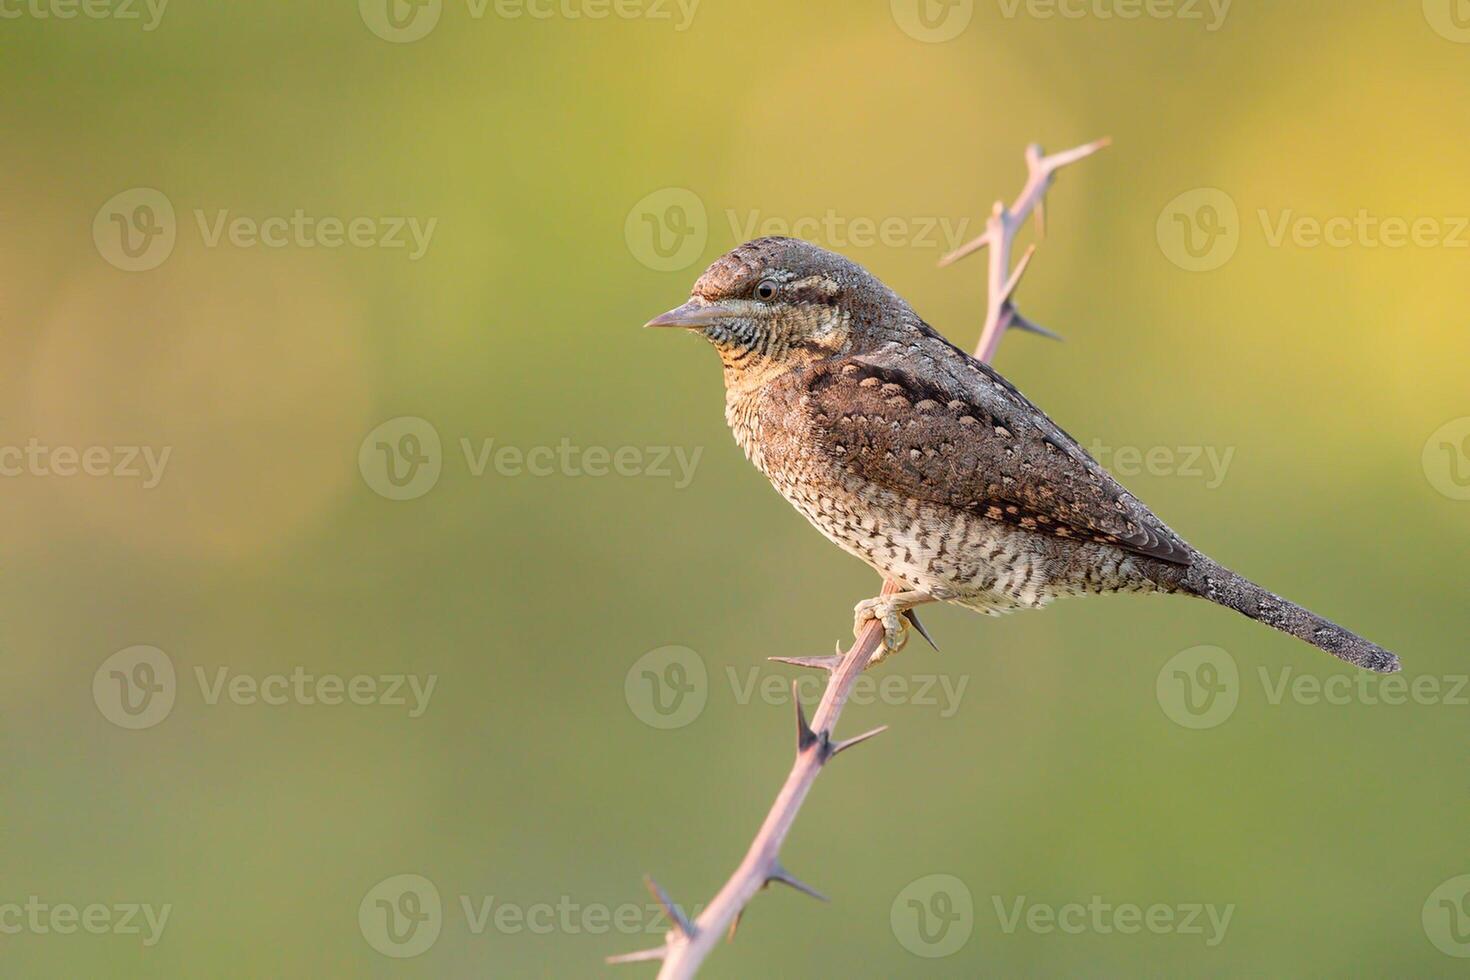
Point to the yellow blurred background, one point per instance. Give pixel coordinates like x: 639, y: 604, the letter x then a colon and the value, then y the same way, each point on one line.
x: 357, y: 532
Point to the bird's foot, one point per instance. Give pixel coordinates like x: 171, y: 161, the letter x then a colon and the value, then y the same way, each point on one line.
x: 888, y: 610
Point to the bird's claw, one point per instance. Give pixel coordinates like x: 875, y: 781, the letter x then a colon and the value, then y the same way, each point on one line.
x: 890, y: 615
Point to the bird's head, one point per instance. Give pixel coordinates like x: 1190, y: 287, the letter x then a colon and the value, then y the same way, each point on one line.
x: 775, y: 304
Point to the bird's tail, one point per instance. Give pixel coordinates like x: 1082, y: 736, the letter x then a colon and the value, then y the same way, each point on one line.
x: 1211, y: 581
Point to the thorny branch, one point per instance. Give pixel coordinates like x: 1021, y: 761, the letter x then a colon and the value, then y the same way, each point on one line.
x: 1000, y: 234
x: 689, y: 942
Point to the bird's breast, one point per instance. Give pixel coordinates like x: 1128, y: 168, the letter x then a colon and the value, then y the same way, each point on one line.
x: 953, y: 555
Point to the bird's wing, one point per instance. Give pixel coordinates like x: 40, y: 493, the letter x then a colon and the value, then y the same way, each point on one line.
x: 970, y: 440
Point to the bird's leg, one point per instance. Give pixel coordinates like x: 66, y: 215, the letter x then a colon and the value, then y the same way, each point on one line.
x: 888, y: 610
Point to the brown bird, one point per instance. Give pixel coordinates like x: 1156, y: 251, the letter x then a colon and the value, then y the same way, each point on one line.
x: 928, y: 465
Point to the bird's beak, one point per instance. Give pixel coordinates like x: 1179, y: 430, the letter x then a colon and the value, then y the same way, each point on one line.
x: 693, y: 315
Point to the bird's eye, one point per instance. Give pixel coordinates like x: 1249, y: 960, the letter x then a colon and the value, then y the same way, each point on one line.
x: 766, y: 290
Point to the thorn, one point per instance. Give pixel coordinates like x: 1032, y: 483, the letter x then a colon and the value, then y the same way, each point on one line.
x: 676, y: 915
x: 642, y: 956
x: 734, y: 924
x: 1021, y: 323
x: 1015, y: 280
x: 1004, y: 317
x: 1019, y: 272
x: 1066, y: 158
x: 804, y: 734
x: 850, y: 742
x: 969, y: 248
x: 828, y: 664
x: 786, y: 878
x: 913, y: 619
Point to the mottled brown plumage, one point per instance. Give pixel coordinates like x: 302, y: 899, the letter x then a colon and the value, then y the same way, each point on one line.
x: 927, y: 464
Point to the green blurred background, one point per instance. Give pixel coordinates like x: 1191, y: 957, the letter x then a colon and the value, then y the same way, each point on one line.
x: 549, y: 151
